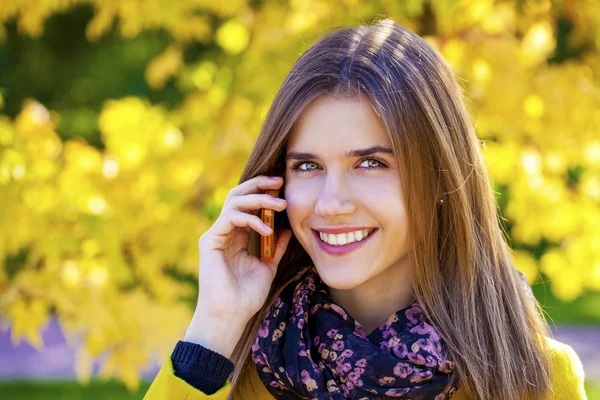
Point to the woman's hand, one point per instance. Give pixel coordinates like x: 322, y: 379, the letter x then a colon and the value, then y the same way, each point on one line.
x: 233, y: 284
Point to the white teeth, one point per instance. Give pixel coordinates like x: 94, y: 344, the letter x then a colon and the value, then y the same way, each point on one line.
x: 344, y: 238
x: 351, y: 237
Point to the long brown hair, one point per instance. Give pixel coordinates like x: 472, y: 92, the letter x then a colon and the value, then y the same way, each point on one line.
x: 463, y: 276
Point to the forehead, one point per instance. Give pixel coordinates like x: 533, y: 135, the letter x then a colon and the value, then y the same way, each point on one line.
x: 337, y: 124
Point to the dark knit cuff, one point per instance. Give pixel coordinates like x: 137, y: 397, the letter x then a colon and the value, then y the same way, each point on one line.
x: 200, y: 367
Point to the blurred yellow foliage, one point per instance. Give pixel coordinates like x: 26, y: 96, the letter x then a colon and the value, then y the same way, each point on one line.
x: 232, y: 37
x: 103, y: 227
x: 164, y: 67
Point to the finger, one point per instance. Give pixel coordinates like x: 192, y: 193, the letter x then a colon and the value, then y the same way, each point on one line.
x: 282, y: 242
x: 254, y: 202
x: 233, y: 218
x: 255, y: 185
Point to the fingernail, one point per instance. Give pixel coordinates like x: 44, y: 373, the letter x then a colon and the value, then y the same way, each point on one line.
x: 274, y: 177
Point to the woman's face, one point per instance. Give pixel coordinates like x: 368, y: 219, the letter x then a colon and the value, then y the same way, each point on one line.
x: 330, y: 186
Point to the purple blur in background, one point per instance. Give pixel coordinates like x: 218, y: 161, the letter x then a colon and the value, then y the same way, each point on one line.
x: 57, y: 361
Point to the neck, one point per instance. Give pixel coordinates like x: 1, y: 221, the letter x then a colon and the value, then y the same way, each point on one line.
x: 371, y: 303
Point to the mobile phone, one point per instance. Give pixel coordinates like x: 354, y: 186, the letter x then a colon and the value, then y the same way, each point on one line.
x: 267, y: 243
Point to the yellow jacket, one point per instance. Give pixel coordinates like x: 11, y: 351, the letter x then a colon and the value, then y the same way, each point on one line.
x: 567, y: 381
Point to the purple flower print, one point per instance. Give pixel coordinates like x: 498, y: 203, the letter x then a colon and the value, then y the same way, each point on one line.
x: 397, y: 392
x: 430, y: 361
x: 309, y: 383
x: 344, y: 388
x: 431, y: 341
x: 421, y: 376
x: 302, y: 349
x: 360, y: 331
x: 362, y: 363
x: 338, y: 345
x: 343, y: 368
x: 403, y: 369
x: 347, y: 353
x: 400, y: 351
x: 335, y: 357
x: 416, y: 358
x: 340, y: 311
x: 414, y: 315
x: 389, y: 332
x: 264, y: 329
x: 393, y: 342
x: 446, y: 366
x: 277, y: 385
x: 425, y: 344
x: 353, y: 376
x: 423, y: 329
x: 433, y: 335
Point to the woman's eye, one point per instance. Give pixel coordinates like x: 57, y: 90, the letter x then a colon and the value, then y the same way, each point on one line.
x: 305, y: 166
x: 378, y: 163
x: 297, y: 166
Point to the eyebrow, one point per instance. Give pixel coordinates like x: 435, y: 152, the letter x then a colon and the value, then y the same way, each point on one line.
x: 294, y: 155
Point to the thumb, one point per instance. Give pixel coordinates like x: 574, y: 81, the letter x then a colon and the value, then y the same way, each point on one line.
x: 282, y: 241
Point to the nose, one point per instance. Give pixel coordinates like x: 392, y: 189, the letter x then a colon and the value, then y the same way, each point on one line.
x: 336, y: 198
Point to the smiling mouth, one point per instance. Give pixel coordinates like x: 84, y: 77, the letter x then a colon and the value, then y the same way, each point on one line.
x: 342, y: 239
x: 338, y: 250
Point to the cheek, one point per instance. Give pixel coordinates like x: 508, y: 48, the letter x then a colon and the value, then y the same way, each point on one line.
x: 299, y: 203
x: 390, y: 209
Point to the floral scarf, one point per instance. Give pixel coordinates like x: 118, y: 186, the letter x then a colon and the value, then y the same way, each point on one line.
x: 310, y: 348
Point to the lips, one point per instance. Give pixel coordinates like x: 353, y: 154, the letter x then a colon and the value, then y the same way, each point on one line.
x: 344, y: 249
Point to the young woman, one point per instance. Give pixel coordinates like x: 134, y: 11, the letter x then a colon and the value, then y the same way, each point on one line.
x: 391, y: 276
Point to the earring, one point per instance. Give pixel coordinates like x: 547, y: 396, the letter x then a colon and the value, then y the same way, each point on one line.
x: 441, y: 202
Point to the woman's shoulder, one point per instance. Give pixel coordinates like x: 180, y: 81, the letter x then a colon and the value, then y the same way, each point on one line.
x: 567, y: 378
x: 568, y: 374
x: 562, y: 352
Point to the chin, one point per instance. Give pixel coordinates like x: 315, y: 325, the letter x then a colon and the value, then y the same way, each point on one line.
x: 340, y: 281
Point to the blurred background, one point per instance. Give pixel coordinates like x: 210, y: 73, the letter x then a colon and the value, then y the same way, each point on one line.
x: 123, y: 124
